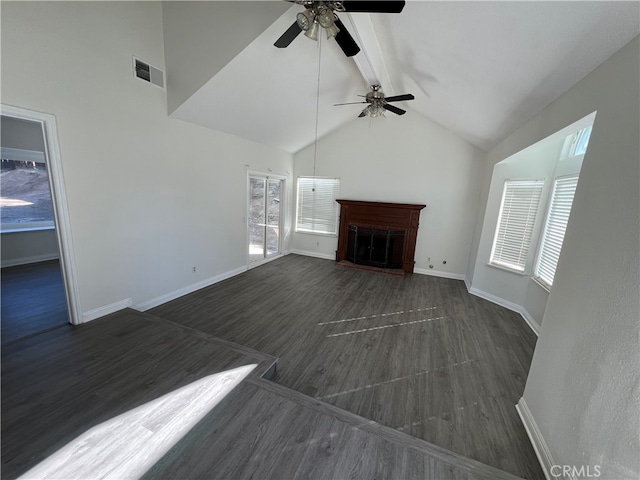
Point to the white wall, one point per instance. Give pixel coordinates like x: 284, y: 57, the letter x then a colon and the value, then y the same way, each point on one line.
x: 537, y: 161
x: 19, y: 248
x: 583, y: 387
x: 202, y: 37
x: 407, y: 159
x: 546, y: 159
x: 149, y: 197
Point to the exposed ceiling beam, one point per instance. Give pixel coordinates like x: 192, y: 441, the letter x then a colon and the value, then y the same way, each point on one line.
x: 369, y: 60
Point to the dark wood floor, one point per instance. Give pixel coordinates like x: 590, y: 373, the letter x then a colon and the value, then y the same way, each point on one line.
x: 32, y: 299
x: 418, y: 354
x: 82, y: 402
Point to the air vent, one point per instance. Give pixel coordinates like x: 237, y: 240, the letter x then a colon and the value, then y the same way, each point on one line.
x: 146, y: 72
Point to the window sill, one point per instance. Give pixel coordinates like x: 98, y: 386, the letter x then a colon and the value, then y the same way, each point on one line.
x: 544, y: 286
x: 507, y: 269
x: 317, y: 233
x: 27, y: 229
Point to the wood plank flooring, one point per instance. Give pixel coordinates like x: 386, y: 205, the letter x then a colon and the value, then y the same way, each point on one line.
x: 418, y: 354
x: 101, y: 400
x: 32, y: 300
x: 61, y: 383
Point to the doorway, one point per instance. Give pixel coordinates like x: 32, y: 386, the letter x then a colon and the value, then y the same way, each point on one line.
x: 56, y: 226
x: 265, y: 220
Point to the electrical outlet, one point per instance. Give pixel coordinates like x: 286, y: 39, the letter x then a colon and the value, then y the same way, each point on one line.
x: 444, y: 262
x: 194, y: 269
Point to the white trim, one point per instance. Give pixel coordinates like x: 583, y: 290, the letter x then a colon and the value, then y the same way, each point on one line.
x: 533, y: 325
x: 105, y: 310
x: 536, y: 438
x: 60, y: 207
x: 21, y: 155
x: 167, y: 297
x: 438, y: 273
x: 262, y: 261
x: 27, y: 260
x: 326, y: 256
x: 28, y: 227
x: 467, y: 283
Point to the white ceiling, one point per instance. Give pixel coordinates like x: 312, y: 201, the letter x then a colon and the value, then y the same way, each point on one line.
x: 480, y: 69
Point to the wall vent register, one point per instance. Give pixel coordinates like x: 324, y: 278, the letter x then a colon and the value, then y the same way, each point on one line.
x: 146, y: 72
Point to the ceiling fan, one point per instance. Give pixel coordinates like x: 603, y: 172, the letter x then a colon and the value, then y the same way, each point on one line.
x: 322, y: 14
x: 378, y: 103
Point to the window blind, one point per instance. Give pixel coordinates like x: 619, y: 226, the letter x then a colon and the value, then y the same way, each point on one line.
x: 555, y: 226
x: 520, y: 202
x: 317, y: 210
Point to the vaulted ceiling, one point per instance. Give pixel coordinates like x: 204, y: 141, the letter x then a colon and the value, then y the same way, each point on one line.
x: 480, y: 69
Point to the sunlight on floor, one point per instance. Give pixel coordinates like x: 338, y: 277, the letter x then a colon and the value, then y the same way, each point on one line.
x: 384, y: 326
x: 402, y: 312
x: 394, y: 380
x: 13, y: 202
x: 128, y: 445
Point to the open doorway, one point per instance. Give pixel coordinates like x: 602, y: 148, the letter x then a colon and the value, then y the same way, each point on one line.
x: 39, y: 291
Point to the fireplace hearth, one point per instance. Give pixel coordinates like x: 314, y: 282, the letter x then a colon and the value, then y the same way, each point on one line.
x: 378, y: 235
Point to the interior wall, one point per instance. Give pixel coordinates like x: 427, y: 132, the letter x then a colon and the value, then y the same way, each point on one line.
x: 199, y: 39
x: 584, y: 383
x: 407, y: 159
x: 19, y: 248
x: 149, y: 197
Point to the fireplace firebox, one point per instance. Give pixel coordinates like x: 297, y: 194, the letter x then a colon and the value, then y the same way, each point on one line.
x: 378, y: 235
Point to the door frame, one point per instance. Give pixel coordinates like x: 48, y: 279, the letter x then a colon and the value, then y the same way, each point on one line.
x: 60, y: 207
x: 283, y: 213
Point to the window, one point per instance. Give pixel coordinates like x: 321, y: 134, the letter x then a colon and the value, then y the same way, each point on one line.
x: 520, y: 201
x: 317, y: 210
x: 580, y: 142
x: 26, y: 202
x: 554, y: 229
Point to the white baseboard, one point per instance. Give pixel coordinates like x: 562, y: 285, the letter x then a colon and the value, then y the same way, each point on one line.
x: 263, y: 261
x: 105, y: 310
x: 27, y: 260
x: 326, y: 256
x: 536, y: 438
x: 438, y: 273
x: 154, y: 302
x: 530, y: 321
x: 467, y: 283
x: 533, y: 325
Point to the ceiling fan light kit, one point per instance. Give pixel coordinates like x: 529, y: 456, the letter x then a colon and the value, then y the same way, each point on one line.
x: 321, y: 13
x: 378, y: 103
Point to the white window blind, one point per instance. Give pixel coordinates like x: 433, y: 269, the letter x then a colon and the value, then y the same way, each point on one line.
x: 554, y: 229
x: 520, y: 201
x: 317, y: 210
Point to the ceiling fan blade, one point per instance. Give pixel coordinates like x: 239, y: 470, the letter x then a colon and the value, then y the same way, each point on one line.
x: 345, y: 40
x: 398, y: 98
x: 396, y: 110
x: 287, y: 37
x: 348, y: 103
x: 363, y: 114
x: 374, y: 6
